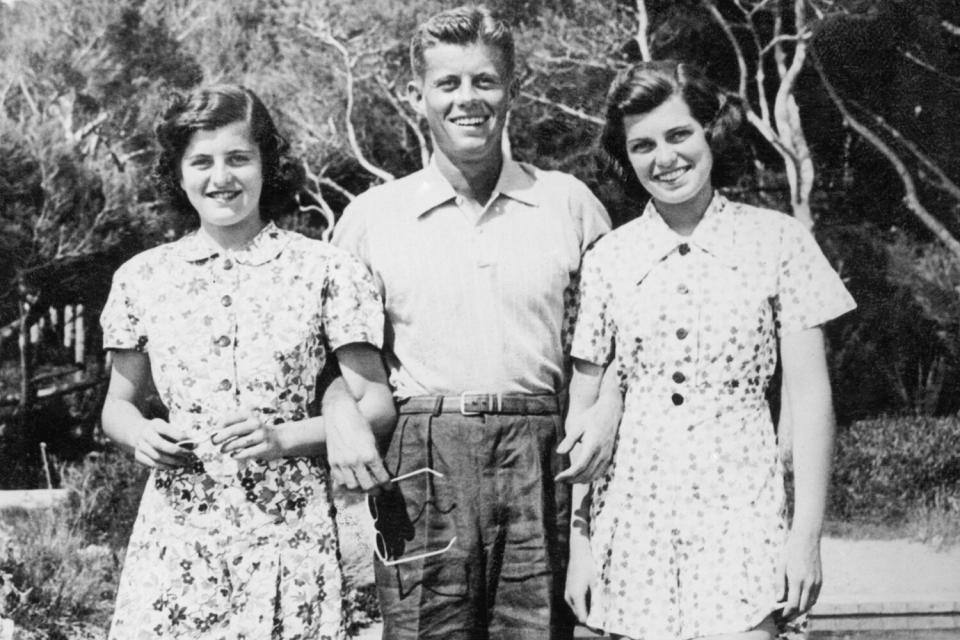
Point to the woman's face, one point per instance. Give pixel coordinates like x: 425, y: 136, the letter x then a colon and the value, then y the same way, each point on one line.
x: 222, y: 174
x: 670, y: 154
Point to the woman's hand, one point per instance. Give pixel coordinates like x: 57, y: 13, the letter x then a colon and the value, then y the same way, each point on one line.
x: 581, y: 573
x: 800, y: 574
x: 155, y: 445
x: 244, y: 435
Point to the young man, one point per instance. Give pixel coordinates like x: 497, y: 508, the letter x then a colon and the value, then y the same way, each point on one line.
x: 476, y: 257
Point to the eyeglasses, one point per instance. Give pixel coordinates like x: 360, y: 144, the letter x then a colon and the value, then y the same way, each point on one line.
x: 381, y: 547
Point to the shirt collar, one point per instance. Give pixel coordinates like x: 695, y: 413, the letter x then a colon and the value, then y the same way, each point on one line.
x: 715, y: 234
x: 264, y: 247
x: 434, y: 189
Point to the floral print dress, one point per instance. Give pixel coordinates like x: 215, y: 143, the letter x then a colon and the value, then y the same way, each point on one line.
x: 687, y: 525
x: 225, y: 549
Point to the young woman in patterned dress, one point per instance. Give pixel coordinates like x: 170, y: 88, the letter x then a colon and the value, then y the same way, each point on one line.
x: 230, y: 326
x: 685, y: 536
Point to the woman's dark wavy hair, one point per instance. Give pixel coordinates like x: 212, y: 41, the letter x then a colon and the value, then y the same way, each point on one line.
x: 214, y: 107
x: 643, y: 87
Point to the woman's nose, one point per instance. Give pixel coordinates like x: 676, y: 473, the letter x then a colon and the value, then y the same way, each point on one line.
x: 220, y: 173
x: 665, y: 155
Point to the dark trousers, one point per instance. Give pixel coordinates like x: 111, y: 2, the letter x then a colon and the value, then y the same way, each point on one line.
x: 504, y: 576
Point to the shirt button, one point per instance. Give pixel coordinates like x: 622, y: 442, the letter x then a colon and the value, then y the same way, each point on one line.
x: 222, y: 341
x: 224, y: 385
x: 226, y: 301
x: 681, y: 333
x: 228, y: 264
x: 684, y: 249
x: 679, y: 377
x: 677, y: 399
x: 682, y: 289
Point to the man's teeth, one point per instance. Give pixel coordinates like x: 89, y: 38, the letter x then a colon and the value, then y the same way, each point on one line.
x: 671, y: 175
x: 469, y: 122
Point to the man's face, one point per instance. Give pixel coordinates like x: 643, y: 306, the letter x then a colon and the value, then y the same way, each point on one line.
x: 464, y: 95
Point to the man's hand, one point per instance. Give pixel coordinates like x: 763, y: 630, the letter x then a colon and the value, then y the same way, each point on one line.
x: 352, y: 453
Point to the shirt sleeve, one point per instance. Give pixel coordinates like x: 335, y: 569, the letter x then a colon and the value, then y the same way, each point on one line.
x: 594, y: 222
x: 352, y: 310
x: 809, y: 291
x: 122, y: 317
x: 595, y: 332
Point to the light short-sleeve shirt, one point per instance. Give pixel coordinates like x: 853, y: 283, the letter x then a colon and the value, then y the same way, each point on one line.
x: 475, y: 303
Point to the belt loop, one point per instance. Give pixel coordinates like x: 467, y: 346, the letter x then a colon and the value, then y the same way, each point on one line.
x: 437, y: 406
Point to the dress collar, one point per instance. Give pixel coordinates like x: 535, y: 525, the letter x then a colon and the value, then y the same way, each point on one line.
x: 434, y: 189
x: 264, y: 247
x: 715, y: 234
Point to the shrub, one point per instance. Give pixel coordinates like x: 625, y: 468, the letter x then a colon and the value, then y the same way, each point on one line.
x: 888, y: 469
x: 59, y: 571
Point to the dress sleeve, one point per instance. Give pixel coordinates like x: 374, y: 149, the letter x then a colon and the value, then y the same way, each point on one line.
x: 122, y: 315
x: 809, y: 291
x: 595, y: 331
x: 352, y: 310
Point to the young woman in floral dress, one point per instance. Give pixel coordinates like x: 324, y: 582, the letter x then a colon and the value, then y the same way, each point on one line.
x: 691, y: 302
x: 230, y: 326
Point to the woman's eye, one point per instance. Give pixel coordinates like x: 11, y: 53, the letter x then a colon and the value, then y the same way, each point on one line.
x: 639, y: 147
x: 199, y: 162
x: 678, y: 136
x: 238, y: 160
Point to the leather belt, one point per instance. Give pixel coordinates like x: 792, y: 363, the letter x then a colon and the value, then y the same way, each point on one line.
x: 478, y: 404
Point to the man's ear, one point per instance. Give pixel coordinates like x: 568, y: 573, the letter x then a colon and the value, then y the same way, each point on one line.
x: 415, y: 95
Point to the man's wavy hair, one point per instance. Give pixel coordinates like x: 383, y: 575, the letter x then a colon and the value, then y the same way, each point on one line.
x: 643, y: 87
x: 211, y: 108
x: 463, y: 26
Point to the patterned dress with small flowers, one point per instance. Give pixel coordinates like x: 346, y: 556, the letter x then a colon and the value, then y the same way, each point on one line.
x: 228, y: 550
x: 687, y: 526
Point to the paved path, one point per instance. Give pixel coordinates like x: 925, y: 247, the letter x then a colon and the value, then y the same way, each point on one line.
x: 862, y: 578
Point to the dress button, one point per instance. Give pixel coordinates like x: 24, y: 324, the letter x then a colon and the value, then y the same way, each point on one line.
x: 226, y: 301
x: 684, y: 249
x: 679, y: 377
x: 228, y: 264
x: 222, y: 341
x: 682, y: 289
x: 677, y: 399
x: 224, y: 385
x: 681, y: 333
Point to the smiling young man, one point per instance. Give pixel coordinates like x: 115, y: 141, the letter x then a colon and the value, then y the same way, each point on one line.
x: 476, y: 257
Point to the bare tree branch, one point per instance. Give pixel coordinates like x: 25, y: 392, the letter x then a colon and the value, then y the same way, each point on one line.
x: 327, y: 38
x: 910, y: 198
x: 951, y: 28
x: 943, y: 181
x: 336, y: 186
x: 324, y: 207
x: 735, y: 44
x: 576, y: 113
x: 410, y: 122
x: 643, y: 28
x: 929, y: 67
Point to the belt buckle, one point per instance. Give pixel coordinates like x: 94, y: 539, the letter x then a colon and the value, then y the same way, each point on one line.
x: 490, y: 404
